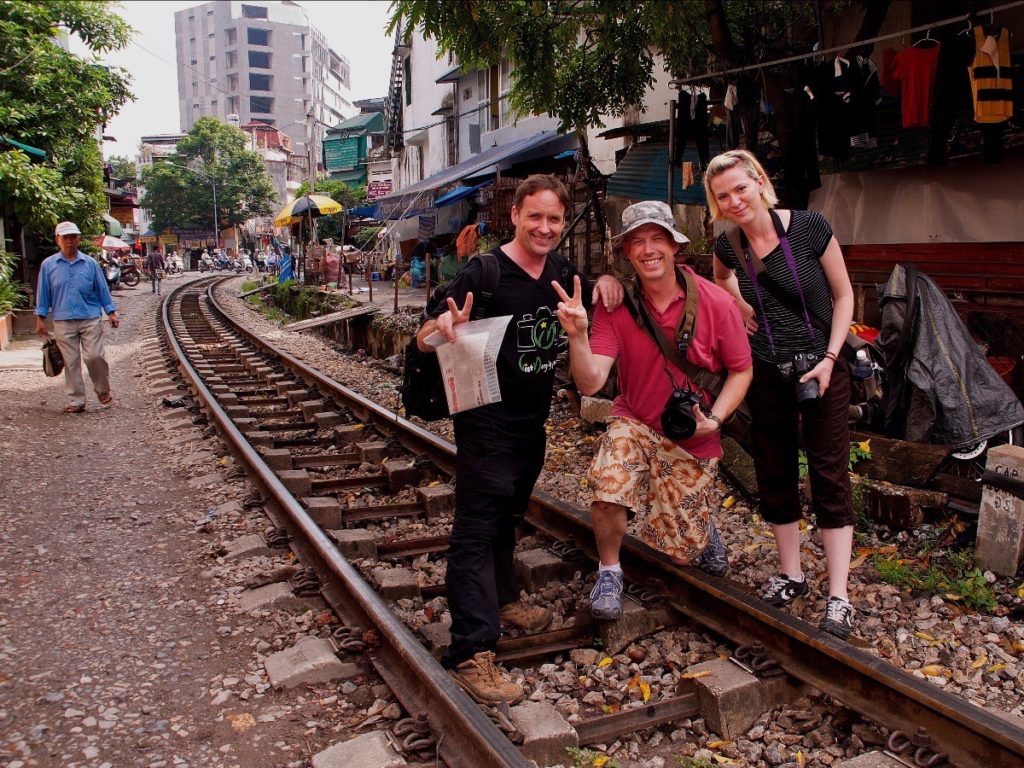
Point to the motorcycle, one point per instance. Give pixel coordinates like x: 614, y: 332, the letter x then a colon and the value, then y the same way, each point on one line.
x: 223, y: 262
x: 243, y: 264
x: 175, y: 266
x: 206, y: 263
x: 111, y: 270
x: 130, y: 273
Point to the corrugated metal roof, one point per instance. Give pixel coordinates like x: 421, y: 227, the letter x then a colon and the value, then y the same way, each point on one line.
x: 372, y: 122
x: 643, y: 175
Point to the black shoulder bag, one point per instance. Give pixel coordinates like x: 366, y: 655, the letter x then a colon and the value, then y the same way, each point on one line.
x: 738, y: 424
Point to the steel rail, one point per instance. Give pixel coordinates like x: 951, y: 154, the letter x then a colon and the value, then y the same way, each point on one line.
x: 466, y: 735
x: 867, y: 684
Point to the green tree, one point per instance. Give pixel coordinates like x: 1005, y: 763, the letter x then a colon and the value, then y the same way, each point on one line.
x: 583, y: 60
x: 347, y: 194
x: 54, y: 100
x: 122, y: 169
x: 211, y: 159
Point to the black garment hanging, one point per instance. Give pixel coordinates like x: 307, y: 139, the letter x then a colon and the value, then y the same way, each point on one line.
x: 832, y: 98
x: 692, y: 121
x: 951, y: 92
x: 865, y: 92
x: 748, y: 93
x: 798, y: 142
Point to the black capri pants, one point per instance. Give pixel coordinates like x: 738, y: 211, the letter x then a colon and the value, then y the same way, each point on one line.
x: 775, y: 433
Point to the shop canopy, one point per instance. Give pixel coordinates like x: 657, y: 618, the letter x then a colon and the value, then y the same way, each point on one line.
x: 643, y: 175
x: 34, y: 154
x: 418, y: 197
x: 460, y: 192
x: 112, y: 226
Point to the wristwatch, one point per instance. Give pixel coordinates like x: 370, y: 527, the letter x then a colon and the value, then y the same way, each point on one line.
x: 717, y: 421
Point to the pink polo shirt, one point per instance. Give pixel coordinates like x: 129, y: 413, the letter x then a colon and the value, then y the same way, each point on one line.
x: 720, y: 342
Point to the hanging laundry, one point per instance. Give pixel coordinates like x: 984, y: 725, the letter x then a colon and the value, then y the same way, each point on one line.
x: 991, y: 85
x: 952, y: 92
x: 797, y: 141
x: 889, y: 82
x: 692, y: 121
x: 732, y: 117
x: 748, y: 92
x: 865, y: 92
x: 832, y: 98
x: 915, y: 70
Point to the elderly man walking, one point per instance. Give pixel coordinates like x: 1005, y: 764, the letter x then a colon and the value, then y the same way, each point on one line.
x: 73, y: 293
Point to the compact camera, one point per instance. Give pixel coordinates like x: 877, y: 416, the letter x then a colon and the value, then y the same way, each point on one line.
x: 677, y: 420
x: 807, y: 393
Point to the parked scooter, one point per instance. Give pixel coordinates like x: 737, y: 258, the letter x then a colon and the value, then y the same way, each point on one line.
x: 130, y: 273
x: 243, y: 264
x: 111, y: 270
x: 175, y: 266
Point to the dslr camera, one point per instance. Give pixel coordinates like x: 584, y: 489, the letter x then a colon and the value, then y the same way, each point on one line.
x: 807, y: 394
x: 677, y: 420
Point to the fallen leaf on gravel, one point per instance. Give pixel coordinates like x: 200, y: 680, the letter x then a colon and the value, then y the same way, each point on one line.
x: 934, y: 670
x: 645, y: 691
x: 600, y: 761
x: 980, y: 661
x: 858, y: 562
x: 723, y: 760
x: 996, y: 668
x: 727, y: 504
x: 242, y: 722
x: 718, y: 743
x: 604, y: 662
x: 695, y: 675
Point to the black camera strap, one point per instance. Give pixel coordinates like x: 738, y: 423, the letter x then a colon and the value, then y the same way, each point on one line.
x: 760, y: 278
x: 675, y: 353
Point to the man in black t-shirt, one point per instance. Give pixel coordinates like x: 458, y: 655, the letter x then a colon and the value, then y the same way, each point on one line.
x: 501, y: 445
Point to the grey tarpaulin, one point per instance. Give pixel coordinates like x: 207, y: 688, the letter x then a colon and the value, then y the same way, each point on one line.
x: 955, y: 398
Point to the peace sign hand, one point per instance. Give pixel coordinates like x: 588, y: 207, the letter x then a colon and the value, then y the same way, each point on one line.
x: 570, y: 311
x: 446, y: 323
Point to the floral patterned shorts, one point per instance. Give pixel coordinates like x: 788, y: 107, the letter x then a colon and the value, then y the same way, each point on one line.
x: 670, y: 492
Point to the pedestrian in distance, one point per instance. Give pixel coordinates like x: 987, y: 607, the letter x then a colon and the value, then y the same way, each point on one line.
x: 73, y: 293
x: 501, y: 445
x: 155, y: 266
x: 801, y: 386
x: 658, y: 459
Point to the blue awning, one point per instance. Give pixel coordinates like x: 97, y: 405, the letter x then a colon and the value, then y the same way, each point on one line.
x: 363, y: 211
x: 453, y: 196
x: 414, y: 199
x: 643, y: 175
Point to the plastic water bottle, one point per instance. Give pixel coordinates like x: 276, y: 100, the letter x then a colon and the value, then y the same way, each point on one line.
x: 862, y: 367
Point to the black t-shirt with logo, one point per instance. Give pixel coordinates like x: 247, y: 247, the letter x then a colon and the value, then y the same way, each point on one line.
x: 533, y: 339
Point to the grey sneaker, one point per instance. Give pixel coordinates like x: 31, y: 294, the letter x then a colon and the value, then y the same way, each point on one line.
x: 713, y: 560
x: 782, y: 590
x: 838, y: 618
x: 606, y: 596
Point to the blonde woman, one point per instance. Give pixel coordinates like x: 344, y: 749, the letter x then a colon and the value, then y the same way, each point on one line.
x: 800, y: 383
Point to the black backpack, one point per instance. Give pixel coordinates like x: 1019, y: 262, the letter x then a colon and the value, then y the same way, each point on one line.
x: 422, y: 387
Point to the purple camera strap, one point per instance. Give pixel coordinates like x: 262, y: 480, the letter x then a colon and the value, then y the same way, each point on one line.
x: 791, y: 262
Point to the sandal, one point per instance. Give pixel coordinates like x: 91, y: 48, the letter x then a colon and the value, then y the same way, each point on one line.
x: 105, y: 399
x: 75, y: 409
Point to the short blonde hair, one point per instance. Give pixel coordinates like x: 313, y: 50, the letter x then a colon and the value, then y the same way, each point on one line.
x: 745, y: 160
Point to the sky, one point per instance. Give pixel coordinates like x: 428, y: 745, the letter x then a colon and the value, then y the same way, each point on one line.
x: 355, y: 29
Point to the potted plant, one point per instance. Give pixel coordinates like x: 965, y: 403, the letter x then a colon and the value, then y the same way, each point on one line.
x: 12, y: 294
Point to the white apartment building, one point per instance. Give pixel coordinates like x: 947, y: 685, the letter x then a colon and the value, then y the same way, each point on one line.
x: 262, y: 61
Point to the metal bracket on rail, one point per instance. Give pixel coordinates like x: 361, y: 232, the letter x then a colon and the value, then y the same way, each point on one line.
x: 502, y: 717
x: 306, y: 583
x: 915, y: 751
x: 568, y: 551
x: 277, y: 538
x: 413, y: 735
x: 349, y: 639
x: 756, y: 660
x: 646, y: 594
x: 253, y: 499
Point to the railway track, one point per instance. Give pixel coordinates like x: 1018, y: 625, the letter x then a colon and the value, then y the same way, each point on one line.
x: 319, y: 451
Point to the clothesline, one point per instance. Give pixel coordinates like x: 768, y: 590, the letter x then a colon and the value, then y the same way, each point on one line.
x: 839, y: 48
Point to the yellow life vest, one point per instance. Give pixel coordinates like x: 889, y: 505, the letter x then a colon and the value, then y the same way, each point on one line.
x: 991, y: 83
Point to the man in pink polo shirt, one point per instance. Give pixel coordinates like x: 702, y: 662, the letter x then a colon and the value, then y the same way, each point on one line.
x: 667, y: 484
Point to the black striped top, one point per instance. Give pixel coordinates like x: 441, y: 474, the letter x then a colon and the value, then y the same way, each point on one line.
x: 809, y: 234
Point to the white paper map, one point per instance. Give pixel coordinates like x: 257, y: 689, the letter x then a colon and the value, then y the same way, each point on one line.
x: 469, y: 366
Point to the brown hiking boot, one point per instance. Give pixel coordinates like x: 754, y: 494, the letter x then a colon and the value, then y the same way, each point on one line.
x: 522, y: 615
x: 486, y: 682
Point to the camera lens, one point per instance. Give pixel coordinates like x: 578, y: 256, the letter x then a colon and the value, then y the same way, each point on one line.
x: 807, y: 395
x: 677, y: 420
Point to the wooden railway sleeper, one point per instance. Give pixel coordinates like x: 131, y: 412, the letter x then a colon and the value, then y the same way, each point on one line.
x: 349, y: 639
x: 306, y: 583
x: 915, y: 751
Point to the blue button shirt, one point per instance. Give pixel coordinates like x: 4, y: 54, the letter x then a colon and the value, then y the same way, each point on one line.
x: 72, y: 290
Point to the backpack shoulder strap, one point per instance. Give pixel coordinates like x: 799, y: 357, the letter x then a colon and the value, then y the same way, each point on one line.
x: 489, y: 277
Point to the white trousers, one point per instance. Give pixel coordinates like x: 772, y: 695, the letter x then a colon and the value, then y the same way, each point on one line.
x: 80, y: 339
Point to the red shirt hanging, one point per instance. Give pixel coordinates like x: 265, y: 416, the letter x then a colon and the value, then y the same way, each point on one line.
x: 915, y: 70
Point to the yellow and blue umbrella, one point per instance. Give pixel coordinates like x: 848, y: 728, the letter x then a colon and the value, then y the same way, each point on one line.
x: 307, y: 205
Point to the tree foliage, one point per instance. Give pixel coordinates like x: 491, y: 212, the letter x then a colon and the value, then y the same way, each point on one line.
x: 582, y: 60
x: 122, y: 169
x: 55, y: 101
x: 211, y: 159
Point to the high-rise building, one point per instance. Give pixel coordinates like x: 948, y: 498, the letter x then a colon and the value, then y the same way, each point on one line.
x: 262, y: 62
